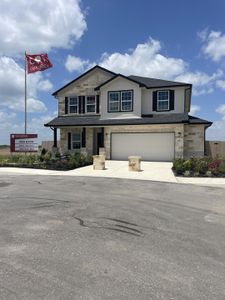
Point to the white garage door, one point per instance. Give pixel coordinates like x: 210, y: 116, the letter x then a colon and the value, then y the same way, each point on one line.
x: 150, y: 146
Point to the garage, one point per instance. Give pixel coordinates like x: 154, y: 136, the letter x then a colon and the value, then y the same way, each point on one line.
x: 150, y: 146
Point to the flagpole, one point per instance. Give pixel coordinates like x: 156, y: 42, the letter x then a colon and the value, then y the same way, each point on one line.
x: 25, y: 96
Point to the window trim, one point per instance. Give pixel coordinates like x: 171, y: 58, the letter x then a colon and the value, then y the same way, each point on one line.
x: 76, y: 105
x: 72, y: 141
x: 120, y: 101
x: 86, y: 104
x: 168, y: 100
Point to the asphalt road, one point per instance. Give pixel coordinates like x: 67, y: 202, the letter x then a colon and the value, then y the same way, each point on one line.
x: 95, y: 238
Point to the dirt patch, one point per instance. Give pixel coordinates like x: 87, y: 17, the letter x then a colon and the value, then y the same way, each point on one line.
x: 5, y: 151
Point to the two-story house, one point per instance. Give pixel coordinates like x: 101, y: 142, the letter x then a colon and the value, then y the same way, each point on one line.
x: 128, y: 115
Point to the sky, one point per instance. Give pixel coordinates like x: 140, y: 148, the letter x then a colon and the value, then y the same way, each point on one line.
x: 176, y: 40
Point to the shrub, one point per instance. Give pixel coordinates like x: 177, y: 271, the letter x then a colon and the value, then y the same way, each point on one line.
x: 214, y: 165
x: 187, y: 165
x: 221, y: 168
x: 178, y: 166
x: 77, y: 160
x: 199, y: 166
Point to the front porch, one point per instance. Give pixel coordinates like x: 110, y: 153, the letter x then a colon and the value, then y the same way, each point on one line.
x: 86, y: 140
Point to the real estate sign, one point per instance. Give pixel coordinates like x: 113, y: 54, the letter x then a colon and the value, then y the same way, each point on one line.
x: 23, y: 142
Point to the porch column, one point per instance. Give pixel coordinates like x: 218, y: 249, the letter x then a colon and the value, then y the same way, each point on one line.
x: 103, y: 138
x: 83, y: 137
x: 55, y: 137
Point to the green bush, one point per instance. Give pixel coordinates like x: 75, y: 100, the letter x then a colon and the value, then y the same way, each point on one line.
x: 178, y: 166
x: 187, y: 165
x: 199, y: 167
x: 221, y: 168
x: 77, y: 160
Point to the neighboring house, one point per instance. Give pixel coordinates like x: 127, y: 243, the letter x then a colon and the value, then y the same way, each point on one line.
x: 128, y: 115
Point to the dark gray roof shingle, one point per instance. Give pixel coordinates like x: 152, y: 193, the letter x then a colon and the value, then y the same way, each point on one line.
x: 156, y: 83
x: 150, y: 119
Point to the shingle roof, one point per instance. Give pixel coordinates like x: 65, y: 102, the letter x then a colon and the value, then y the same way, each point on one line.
x: 142, y: 81
x: 195, y: 120
x: 147, y: 82
x: 150, y: 119
x: 156, y: 83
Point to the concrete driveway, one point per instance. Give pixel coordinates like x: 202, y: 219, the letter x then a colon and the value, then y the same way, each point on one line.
x: 89, y: 238
x: 155, y: 171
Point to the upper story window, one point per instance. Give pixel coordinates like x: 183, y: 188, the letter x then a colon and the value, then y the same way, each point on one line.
x: 114, y: 101
x: 82, y: 104
x: 91, y: 104
x: 119, y: 101
x: 126, y: 100
x: 73, y: 105
x: 163, y: 100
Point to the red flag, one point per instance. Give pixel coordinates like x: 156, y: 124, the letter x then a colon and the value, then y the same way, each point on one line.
x: 37, y: 62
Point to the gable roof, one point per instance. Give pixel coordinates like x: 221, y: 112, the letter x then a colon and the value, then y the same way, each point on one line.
x: 119, y: 75
x: 147, y: 82
x: 142, y: 81
x: 156, y: 83
x: 82, y: 75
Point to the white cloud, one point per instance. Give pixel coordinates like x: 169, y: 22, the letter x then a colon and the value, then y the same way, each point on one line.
x: 144, y: 60
x: 45, y: 85
x: 221, y: 84
x: 221, y: 110
x: 6, y: 119
x: 194, y: 109
x: 202, y: 82
x: 12, y: 87
x: 214, y: 46
x: 203, y: 34
x: 34, y: 105
x: 74, y: 63
x: 39, y: 25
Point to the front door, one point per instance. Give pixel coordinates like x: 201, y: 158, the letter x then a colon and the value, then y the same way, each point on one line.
x: 100, y: 141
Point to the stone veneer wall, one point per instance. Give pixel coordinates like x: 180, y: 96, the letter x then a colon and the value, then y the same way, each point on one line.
x: 194, y: 139
x: 84, y: 86
x: 64, y: 138
x: 189, y: 139
x: 178, y: 130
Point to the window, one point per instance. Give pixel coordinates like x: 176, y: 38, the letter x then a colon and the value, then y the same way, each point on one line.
x: 73, y: 105
x: 126, y: 101
x: 114, y: 101
x: 90, y: 104
x: 162, y: 100
x: 76, y: 140
x: 120, y: 101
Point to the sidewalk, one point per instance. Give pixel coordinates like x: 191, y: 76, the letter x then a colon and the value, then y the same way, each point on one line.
x: 153, y: 171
